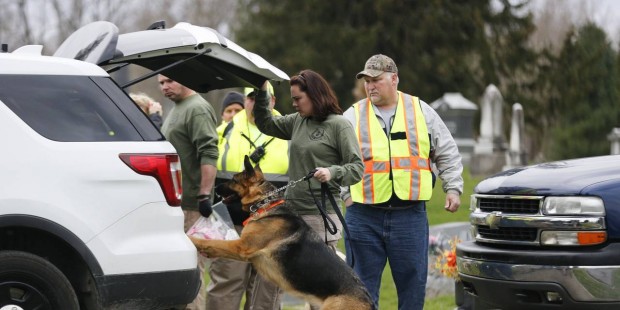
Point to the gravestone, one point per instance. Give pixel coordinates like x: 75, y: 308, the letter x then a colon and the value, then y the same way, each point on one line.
x: 490, y: 148
x: 516, y: 155
x: 614, y: 138
x: 458, y: 114
x: 484, y: 144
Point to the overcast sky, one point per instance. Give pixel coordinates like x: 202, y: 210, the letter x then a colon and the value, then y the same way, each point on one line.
x: 606, y: 13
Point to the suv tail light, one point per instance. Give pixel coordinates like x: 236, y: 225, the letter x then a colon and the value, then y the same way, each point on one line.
x: 166, y: 168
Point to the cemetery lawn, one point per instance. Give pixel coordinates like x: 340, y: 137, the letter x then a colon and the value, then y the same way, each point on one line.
x: 438, y: 215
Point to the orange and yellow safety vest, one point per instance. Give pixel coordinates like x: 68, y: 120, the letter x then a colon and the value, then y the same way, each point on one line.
x: 399, y: 164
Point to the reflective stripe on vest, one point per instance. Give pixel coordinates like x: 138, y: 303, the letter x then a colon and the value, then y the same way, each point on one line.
x: 234, y: 147
x: 405, y: 154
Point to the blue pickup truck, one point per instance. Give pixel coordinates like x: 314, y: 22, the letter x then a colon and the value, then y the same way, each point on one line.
x: 545, y: 237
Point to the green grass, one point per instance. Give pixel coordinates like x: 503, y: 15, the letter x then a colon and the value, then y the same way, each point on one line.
x: 438, y: 215
x: 440, y: 303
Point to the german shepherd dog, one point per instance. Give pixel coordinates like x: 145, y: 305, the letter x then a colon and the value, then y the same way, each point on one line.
x: 284, y: 249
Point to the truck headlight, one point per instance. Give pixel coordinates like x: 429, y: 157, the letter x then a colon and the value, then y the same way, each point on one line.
x: 572, y: 238
x: 573, y: 205
x: 473, y: 203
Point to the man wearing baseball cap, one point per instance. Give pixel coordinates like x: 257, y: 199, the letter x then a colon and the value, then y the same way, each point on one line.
x: 399, y: 137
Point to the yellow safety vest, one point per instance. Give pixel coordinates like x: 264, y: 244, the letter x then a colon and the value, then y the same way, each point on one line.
x: 233, y: 147
x: 399, y: 164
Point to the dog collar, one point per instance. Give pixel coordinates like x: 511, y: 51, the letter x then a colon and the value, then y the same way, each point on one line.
x: 263, y: 210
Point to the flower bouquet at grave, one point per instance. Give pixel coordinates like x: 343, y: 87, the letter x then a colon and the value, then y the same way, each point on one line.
x: 445, y: 262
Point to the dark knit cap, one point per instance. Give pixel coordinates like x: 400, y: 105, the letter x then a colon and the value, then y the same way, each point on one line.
x: 232, y: 98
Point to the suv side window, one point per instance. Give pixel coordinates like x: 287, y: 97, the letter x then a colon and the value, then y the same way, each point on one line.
x: 75, y: 108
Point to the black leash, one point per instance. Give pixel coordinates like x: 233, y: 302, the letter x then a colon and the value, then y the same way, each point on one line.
x: 327, y: 221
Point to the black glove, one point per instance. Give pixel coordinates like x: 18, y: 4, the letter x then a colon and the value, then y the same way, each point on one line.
x: 204, y: 207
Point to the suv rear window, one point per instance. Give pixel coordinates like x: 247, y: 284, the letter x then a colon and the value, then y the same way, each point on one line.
x: 76, y: 108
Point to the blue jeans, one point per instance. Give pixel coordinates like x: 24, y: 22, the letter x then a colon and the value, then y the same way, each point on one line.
x: 399, y: 236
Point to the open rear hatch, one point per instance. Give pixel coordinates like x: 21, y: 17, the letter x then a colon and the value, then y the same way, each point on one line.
x: 197, y: 57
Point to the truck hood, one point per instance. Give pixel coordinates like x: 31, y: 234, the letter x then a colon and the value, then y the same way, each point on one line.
x: 568, y: 177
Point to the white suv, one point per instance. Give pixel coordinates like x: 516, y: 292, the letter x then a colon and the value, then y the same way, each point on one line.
x: 89, y: 188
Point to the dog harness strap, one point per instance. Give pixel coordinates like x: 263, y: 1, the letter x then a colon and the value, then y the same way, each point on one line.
x: 262, y: 210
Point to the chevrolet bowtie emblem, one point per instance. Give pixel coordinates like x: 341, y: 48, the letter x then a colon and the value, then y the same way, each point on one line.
x: 493, y: 219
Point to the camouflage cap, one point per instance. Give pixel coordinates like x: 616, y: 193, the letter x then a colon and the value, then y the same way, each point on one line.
x: 376, y: 65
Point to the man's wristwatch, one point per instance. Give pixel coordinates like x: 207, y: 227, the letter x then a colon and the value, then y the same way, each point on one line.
x: 203, y: 197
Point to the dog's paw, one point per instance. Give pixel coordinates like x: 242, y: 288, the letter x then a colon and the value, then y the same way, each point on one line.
x: 200, y: 245
x: 197, y: 242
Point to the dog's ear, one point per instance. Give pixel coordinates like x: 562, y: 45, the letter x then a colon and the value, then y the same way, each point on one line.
x: 249, y: 170
x: 257, y: 168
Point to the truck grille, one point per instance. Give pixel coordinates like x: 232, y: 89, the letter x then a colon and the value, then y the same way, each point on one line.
x: 519, y: 206
x: 500, y: 219
x: 508, y: 233
x: 520, y: 220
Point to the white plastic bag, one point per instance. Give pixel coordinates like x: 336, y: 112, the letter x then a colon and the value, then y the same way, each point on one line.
x: 218, y: 226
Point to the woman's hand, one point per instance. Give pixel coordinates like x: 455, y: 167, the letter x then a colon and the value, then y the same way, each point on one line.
x: 322, y: 175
